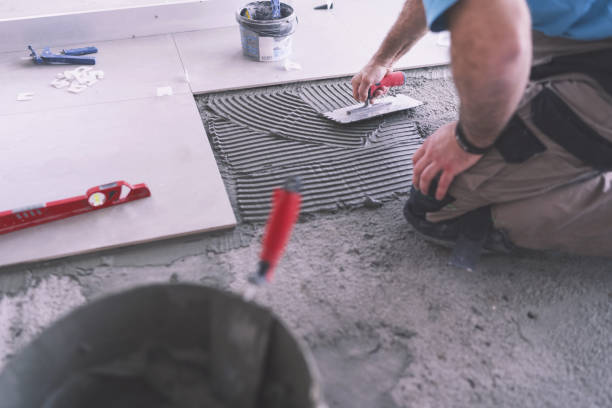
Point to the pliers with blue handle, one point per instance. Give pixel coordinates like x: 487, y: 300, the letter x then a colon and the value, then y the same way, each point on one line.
x: 69, y: 56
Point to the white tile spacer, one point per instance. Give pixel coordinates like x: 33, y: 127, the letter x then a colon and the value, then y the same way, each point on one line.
x: 78, y: 79
x: 76, y: 88
x: 60, y: 83
x: 164, y: 91
x: 291, y: 65
x: 81, y: 79
x: 25, y: 96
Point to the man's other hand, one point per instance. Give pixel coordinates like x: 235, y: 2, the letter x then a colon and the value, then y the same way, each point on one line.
x: 368, y: 76
x: 440, y: 154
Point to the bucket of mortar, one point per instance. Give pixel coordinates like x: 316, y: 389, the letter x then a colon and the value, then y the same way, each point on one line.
x: 264, y: 38
x: 165, y: 346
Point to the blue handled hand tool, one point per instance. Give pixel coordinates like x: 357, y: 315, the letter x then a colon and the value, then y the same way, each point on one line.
x: 276, y: 9
x: 80, y: 51
x: 68, y: 56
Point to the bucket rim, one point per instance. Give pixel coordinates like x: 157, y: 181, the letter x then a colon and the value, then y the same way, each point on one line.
x: 241, y: 19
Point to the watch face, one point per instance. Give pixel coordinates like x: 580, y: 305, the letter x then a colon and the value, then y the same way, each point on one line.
x: 97, y: 199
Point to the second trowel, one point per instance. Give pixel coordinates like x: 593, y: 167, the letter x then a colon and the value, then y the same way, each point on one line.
x: 381, y: 106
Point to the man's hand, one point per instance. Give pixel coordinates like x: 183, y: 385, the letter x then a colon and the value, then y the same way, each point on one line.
x: 440, y: 153
x: 370, y: 74
x: 411, y: 25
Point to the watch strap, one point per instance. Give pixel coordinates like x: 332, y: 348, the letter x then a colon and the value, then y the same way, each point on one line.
x: 465, y: 144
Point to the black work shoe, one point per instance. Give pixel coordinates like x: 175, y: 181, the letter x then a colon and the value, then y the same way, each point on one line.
x: 447, y: 232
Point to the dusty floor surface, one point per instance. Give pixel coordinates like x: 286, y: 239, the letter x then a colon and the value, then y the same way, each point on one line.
x: 389, y: 323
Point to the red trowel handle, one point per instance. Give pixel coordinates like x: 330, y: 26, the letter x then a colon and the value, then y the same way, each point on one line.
x: 392, y: 79
x: 285, y: 211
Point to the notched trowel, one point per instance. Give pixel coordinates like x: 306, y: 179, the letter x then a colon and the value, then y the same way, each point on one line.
x: 381, y: 106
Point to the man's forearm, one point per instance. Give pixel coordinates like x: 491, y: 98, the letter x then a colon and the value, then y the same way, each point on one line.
x: 491, y: 58
x: 407, y: 30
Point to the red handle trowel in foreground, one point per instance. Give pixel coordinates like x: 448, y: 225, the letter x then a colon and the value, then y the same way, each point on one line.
x: 284, y: 214
x: 387, y: 104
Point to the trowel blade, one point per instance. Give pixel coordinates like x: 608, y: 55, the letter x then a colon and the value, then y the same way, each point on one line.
x: 382, y: 106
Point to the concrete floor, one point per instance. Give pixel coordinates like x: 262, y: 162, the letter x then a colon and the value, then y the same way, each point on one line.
x: 389, y: 323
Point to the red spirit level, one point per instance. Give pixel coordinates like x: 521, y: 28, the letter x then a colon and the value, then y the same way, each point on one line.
x: 95, y: 198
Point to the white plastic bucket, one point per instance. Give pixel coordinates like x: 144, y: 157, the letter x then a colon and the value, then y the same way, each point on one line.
x: 263, y: 37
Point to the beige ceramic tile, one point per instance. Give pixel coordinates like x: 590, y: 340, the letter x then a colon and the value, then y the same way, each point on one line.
x: 133, y: 68
x: 61, y: 153
x: 112, y: 23
x: 11, y: 9
x: 326, y: 44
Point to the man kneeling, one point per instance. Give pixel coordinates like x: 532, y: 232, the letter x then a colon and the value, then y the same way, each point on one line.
x: 529, y: 161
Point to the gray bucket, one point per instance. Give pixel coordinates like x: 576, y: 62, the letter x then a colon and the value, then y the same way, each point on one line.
x: 264, y: 38
x: 163, y: 346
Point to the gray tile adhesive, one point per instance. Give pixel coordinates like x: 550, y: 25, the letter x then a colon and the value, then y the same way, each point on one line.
x: 284, y: 113
x: 264, y: 136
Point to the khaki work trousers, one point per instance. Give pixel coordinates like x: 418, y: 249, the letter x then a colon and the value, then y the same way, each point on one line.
x: 553, y: 200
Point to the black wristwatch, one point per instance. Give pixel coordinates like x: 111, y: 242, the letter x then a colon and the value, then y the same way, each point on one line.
x: 466, y: 145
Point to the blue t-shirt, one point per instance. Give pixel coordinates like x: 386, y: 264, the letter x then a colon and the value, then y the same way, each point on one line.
x: 578, y: 19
